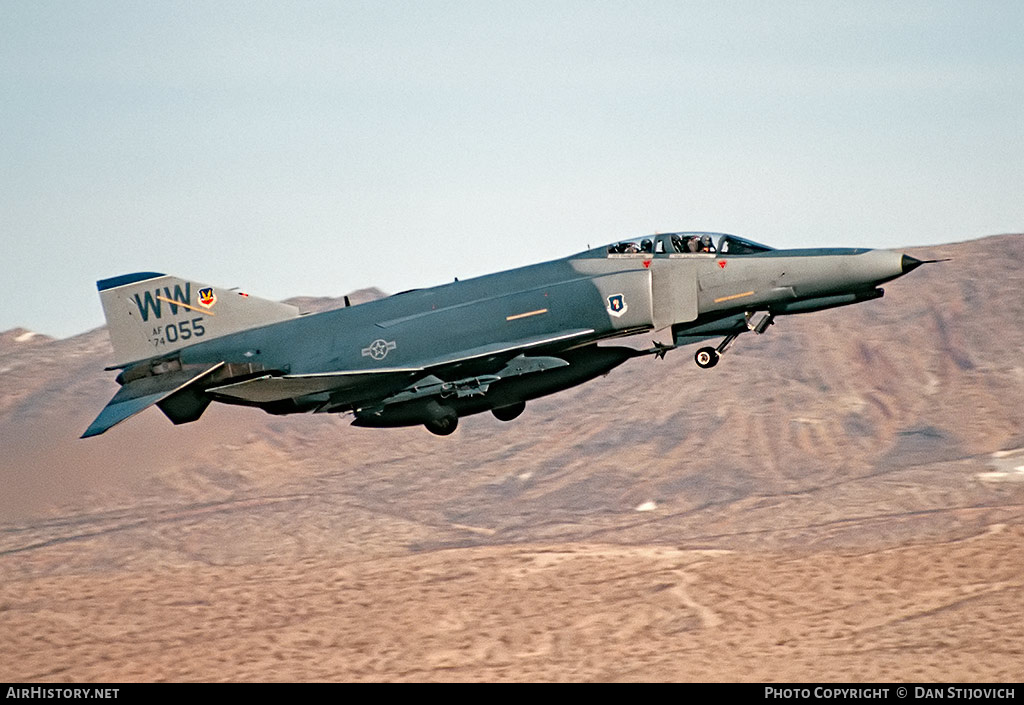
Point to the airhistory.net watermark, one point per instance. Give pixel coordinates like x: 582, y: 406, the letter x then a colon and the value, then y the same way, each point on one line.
x: 62, y: 693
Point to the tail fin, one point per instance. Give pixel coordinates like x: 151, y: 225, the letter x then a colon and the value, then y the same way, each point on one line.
x: 150, y: 314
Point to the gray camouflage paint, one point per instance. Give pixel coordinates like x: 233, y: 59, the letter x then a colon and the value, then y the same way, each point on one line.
x: 432, y: 355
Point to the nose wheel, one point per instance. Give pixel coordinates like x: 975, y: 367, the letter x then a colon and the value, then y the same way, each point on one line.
x: 707, y: 358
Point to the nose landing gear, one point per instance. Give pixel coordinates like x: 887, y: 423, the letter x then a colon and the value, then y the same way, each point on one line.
x: 708, y: 357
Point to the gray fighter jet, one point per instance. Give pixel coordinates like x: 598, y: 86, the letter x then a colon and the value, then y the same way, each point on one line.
x: 431, y: 356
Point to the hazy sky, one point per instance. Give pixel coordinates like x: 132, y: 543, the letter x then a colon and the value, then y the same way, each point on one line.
x: 318, y: 147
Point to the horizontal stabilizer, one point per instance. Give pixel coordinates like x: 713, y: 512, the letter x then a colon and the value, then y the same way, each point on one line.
x: 139, y: 394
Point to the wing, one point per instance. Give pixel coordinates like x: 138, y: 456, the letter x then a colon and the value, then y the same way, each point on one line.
x: 381, y: 383
x: 183, y: 395
x: 270, y: 388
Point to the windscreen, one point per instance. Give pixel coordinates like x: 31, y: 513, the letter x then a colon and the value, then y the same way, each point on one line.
x: 732, y: 245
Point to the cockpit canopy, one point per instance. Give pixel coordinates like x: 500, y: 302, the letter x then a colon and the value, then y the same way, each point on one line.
x: 687, y: 243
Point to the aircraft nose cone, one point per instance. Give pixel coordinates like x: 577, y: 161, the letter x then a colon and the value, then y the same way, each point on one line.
x: 909, y: 264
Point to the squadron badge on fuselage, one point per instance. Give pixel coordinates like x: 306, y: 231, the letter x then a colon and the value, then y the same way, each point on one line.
x: 617, y: 305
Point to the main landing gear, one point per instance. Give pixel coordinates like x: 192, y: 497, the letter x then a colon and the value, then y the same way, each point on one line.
x: 708, y: 357
x: 507, y: 413
x: 444, y: 426
x: 441, y: 420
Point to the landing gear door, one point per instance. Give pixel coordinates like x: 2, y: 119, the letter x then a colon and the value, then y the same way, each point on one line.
x: 674, y: 291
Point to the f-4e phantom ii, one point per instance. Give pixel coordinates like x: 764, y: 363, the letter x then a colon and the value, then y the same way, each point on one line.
x: 492, y: 343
